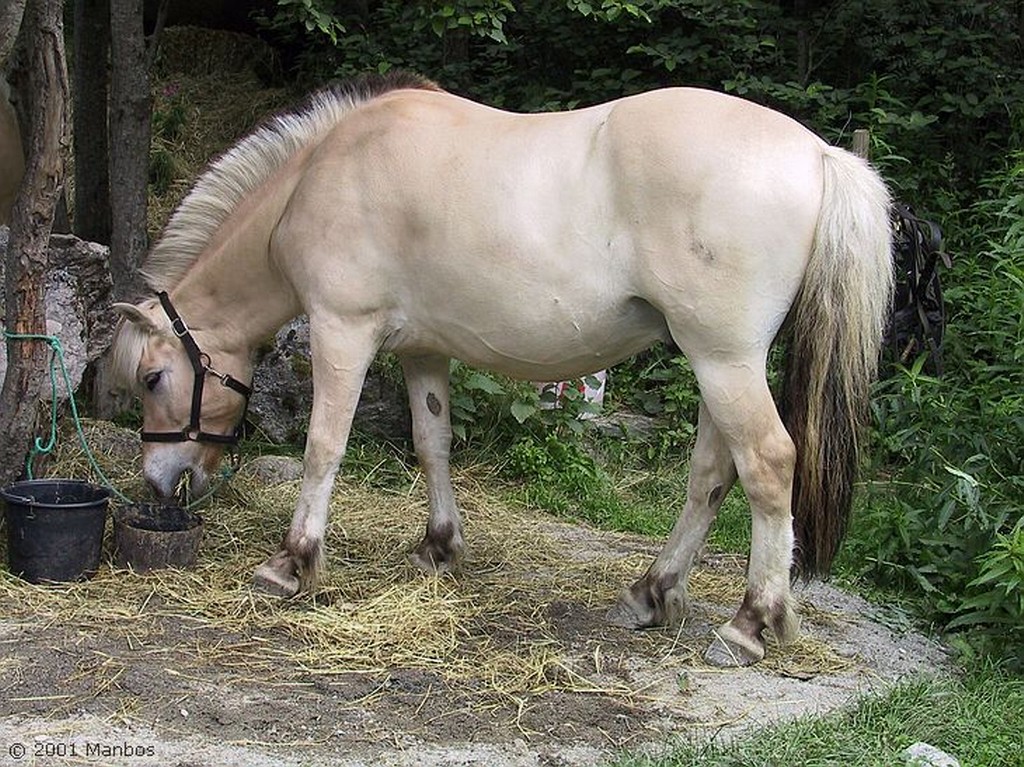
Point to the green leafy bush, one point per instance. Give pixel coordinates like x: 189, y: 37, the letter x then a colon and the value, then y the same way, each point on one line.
x: 661, y: 383
x: 944, y: 519
x: 996, y: 596
x: 499, y: 410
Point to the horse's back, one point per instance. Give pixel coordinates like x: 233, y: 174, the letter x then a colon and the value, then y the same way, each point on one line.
x: 517, y: 240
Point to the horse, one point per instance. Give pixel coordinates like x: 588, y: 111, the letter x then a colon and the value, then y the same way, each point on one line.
x: 401, y: 217
x: 12, y: 156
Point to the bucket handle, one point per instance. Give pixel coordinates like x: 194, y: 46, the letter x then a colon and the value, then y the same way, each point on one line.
x: 22, y: 499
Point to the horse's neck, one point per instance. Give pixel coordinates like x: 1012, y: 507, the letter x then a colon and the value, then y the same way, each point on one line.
x: 240, y: 311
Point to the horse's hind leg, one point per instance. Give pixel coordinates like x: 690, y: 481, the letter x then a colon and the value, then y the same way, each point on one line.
x: 341, y: 355
x: 426, y: 378
x: 738, y: 399
x: 659, y: 597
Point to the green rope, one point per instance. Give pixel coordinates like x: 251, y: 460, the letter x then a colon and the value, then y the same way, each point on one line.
x: 41, y: 448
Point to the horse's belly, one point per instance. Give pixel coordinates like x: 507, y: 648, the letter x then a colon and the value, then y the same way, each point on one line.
x: 541, y: 340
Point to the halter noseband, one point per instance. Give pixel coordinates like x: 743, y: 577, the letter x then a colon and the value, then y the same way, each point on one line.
x: 202, y: 368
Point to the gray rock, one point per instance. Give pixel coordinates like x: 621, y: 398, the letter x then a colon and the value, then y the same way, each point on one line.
x: 926, y: 755
x: 283, y: 386
x: 77, y: 303
x: 283, y: 393
x: 272, y: 469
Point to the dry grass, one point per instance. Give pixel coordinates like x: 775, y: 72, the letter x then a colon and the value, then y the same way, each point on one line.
x: 209, y: 92
x: 491, y: 626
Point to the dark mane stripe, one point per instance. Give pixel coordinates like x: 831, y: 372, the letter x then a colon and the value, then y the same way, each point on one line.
x: 250, y: 162
x: 370, y: 85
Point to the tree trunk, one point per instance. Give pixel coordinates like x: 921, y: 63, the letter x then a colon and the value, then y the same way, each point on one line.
x: 158, y: 29
x: 1020, y: 25
x: 129, y: 141
x: 803, y: 42
x: 92, y: 173
x: 44, y: 95
x: 11, y: 12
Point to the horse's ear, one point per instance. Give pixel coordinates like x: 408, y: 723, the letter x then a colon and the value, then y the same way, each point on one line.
x: 134, y: 314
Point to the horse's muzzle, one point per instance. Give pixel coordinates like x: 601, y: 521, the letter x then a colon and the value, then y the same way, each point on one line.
x: 170, y: 473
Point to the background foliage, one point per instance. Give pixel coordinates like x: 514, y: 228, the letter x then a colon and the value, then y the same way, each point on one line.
x: 941, y: 87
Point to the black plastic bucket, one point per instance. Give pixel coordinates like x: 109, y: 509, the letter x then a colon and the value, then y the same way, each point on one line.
x: 150, y: 536
x: 54, y: 529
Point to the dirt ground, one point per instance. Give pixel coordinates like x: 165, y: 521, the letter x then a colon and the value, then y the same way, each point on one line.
x: 191, y: 694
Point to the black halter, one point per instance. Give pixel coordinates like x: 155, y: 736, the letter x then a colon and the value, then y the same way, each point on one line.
x: 202, y: 368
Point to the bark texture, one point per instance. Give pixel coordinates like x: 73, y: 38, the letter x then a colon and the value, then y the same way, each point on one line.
x: 43, y: 88
x: 129, y: 141
x: 92, y: 176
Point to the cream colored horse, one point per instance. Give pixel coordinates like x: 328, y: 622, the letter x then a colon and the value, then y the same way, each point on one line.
x: 543, y: 246
x: 12, y: 156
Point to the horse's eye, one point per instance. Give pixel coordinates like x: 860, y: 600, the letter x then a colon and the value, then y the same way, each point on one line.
x: 151, y: 380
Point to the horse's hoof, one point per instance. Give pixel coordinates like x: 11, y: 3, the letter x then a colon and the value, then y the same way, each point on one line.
x: 726, y: 654
x: 270, y: 581
x: 627, y: 614
x: 428, y: 565
x: 437, y: 558
x: 622, y: 615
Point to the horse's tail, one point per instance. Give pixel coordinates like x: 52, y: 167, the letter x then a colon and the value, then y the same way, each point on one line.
x: 832, y: 357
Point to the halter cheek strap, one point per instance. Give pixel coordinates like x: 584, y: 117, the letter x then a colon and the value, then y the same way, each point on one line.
x: 202, y: 368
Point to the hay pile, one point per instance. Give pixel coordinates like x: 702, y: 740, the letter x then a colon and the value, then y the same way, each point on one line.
x: 490, y: 628
x: 210, y: 89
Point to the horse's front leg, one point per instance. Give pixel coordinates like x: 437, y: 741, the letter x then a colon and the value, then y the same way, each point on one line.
x: 341, y: 357
x: 426, y: 378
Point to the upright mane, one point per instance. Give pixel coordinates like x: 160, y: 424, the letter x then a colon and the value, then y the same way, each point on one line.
x: 252, y: 161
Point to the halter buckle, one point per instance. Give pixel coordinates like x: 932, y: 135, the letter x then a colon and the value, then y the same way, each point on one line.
x: 179, y: 327
x: 210, y: 370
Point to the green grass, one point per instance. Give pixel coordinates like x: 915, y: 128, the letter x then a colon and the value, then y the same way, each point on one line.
x: 613, y: 485
x: 978, y: 718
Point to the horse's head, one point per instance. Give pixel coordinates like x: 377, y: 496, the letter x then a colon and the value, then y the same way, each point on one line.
x: 190, y: 411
